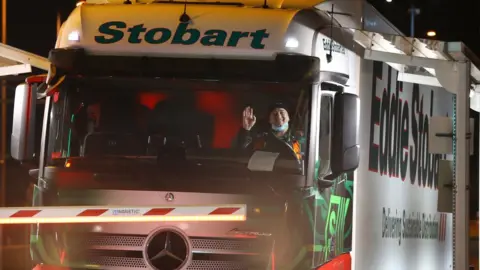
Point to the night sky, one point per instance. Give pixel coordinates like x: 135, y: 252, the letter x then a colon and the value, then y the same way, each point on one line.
x: 32, y: 23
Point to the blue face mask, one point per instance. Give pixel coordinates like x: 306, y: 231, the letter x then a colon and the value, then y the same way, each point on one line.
x: 281, y: 128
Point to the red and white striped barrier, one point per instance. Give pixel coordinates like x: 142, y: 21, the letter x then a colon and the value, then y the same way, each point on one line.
x: 92, y: 214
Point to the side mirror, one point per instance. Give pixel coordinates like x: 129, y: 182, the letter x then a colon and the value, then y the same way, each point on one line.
x: 345, y: 152
x: 23, y: 128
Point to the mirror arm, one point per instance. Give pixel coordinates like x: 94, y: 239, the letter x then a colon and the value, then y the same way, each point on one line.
x: 323, y: 184
x: 332, y: 176
x: 33, y: 173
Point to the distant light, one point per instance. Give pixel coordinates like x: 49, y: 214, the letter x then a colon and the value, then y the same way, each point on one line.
x: 389, y: 1
x: 431, y: 33
x: 74, y: 36
x: 291, y: 43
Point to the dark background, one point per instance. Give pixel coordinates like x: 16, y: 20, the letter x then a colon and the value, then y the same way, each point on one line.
x: 452, y: 20
x: 32, y: 23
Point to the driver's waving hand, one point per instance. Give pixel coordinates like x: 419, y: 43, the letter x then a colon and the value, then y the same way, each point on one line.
x: 269, y: 140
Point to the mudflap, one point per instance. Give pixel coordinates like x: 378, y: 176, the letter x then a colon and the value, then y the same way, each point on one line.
x: 342, y: 262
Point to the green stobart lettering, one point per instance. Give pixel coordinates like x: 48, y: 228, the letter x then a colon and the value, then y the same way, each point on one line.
x: 112, y: 32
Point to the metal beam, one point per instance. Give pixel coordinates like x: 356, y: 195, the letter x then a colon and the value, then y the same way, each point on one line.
x: 15, y: 69
x: 23, y: 57
x: 462, y: 169
x: 418, y: 79
x: 403, y: 59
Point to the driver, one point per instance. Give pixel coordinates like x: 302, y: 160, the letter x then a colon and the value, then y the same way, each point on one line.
x: 279, y: 131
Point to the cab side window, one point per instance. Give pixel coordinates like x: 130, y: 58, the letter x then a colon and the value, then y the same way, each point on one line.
x: 57, y: 117
x: 325, y: 134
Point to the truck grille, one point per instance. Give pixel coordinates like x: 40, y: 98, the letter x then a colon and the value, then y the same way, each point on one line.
x: 113, y: 251
x: 138, y: 263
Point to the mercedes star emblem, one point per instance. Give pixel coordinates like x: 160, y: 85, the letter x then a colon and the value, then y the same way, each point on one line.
x: 169, y: 197
x: 167, y: 249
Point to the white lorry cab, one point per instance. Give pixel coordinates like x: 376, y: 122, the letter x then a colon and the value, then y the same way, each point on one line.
x: 218, y: 135
x: 231, y: 122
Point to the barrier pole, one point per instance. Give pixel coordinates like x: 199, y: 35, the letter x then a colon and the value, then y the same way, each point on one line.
x: 3, y: 178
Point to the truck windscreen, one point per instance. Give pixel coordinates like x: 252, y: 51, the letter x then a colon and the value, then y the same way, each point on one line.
x: 129, y: 117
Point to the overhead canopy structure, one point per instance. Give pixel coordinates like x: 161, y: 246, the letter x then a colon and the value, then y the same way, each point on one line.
x: 420, y: 61
x: 14, y: 61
